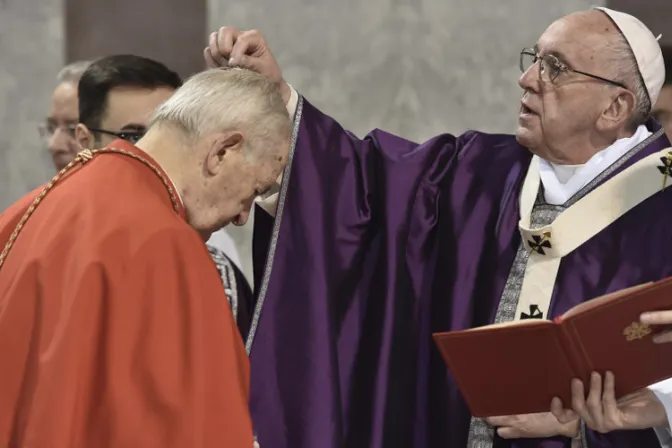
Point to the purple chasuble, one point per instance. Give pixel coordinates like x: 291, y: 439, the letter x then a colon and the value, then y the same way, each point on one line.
x: 378, y: 243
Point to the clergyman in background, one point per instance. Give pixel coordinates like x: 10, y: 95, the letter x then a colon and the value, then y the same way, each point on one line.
x: 58, y: 130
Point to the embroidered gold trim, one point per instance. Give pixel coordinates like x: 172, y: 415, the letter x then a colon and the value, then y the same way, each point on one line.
x: 82, y: 158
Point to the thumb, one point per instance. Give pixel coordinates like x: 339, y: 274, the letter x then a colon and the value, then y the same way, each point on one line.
x: 509, y: 433
x: 563, y: 416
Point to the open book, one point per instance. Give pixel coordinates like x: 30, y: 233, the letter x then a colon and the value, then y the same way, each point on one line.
x: 518, y: 367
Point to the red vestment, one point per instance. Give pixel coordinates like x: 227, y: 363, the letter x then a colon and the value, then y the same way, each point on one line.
x: 115, y: 330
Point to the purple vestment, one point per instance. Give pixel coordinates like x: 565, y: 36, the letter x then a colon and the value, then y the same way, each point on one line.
x: 380, y: 242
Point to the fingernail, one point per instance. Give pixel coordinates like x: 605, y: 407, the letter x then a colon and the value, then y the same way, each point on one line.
x: 232, y: 62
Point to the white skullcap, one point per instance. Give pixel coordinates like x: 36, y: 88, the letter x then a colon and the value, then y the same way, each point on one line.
x: 645, y: 47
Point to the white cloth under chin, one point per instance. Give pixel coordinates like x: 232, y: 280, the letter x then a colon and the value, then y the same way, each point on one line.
x: 561, y: 182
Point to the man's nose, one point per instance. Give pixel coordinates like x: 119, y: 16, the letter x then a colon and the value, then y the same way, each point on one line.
x: 529, y: 80
x: 59, y: 141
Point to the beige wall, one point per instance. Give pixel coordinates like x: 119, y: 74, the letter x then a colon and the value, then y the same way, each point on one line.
x: 31, y: 53
x: 414, y: 67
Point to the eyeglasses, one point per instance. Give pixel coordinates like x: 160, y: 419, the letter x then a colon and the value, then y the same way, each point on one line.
x: 130, y: 136
x: 551, y: 67
x: 47, y: 130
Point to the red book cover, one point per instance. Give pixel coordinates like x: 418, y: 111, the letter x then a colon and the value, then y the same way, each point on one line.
x: 518, y: 367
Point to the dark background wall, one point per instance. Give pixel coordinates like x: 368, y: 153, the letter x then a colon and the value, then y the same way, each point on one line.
x: 170, y: 31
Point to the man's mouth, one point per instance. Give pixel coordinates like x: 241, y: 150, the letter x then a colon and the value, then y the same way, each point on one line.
x: 524, y: 110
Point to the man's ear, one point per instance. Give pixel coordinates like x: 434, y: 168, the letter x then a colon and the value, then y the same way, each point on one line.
x: 621, y: 108
x: 223, y: 147
x: 84, y: 137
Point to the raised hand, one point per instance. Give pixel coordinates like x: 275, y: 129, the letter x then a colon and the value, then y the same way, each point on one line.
x: 603, y: 413
x: 231, y: 47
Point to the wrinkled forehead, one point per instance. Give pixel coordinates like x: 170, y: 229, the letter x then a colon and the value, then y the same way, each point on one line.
x: 579, y: 40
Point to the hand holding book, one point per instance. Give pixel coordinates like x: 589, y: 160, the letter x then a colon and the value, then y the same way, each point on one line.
x: 536, y: 359
x: 601, y: 412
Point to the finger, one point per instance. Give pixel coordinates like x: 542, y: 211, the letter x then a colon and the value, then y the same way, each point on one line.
x: 509, y: 432
x: 663, y: 338
x: 226, y: 39
x: 563, y: 415
x: 247, y: 48
x: 241, y: 49
x: 579, y: 402
x: 501, y: 420
x: 657, y: 318
x: 594, y: 400
x: 209, y: 60
x: 213, y: 48
x: 609, y: 404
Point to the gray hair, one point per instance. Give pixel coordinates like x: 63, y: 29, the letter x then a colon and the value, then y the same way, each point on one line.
x: 626, y: 70
x: 219, y: 100
x: 72, y: 72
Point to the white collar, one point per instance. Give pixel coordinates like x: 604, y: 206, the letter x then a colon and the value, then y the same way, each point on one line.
x: 561, y: 182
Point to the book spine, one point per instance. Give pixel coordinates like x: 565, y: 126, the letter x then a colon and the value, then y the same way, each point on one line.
x: 574, y: 352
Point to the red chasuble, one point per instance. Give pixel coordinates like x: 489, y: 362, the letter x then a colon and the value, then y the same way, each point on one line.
x: 115, y: 330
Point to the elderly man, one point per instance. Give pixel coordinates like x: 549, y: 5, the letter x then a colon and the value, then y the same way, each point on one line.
x: 378, y: 242
x: 117, y: 95
x: 114, y: 328
x: 59, y: 127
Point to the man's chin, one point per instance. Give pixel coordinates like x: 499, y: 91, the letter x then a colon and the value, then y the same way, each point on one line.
x: 525, y: 137
x: 61, y: 160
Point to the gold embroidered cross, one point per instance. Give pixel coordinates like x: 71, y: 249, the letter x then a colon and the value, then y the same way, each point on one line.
x: 636, y: 330
x: 540, y: 242
x: 666, y: 167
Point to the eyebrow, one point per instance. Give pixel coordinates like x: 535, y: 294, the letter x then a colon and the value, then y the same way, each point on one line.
x: 68, y: 121
x: 133, y: 127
